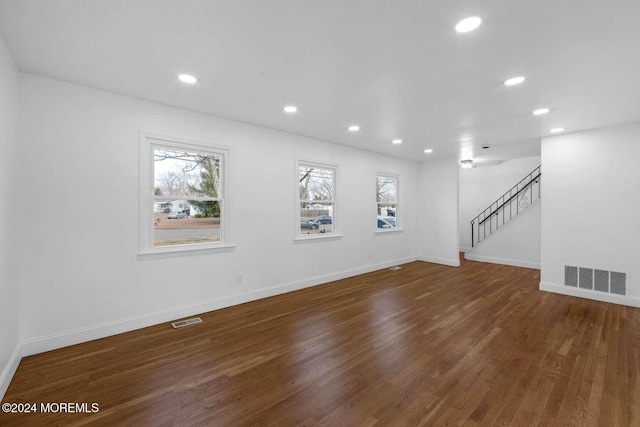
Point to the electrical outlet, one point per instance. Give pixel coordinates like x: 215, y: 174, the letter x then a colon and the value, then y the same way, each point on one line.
x: 238, y: 277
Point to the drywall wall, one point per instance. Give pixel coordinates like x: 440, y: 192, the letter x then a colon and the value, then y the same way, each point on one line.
x: 590, y: 207
x: 483, y: 185
x: 9, y: 180
x: 437, y: 239
x: 516, y: 243
x: 81, y: 276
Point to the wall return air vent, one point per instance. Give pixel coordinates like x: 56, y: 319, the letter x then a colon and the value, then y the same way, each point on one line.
x: 593, y: 279
x: 187, y: 322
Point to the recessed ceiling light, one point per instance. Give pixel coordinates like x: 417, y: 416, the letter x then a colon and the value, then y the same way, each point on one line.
x: 428, y: 150
x: 290, y: 109
x: 514, y: 81
x: 396, y: 141
x: 557, y: 130
x: 541, y: 111
x: 468, y: 24
x: 186, y: 78
x: 354, y: 128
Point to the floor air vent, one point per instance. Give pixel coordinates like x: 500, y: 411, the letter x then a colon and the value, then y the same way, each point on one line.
x: 183, y: 323
x: 396, y: 268
x: 611, y: 282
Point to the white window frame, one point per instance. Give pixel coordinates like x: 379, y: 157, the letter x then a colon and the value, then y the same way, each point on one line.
x: 149, y: 142
x: 398, y: 216
x: 298, y: 237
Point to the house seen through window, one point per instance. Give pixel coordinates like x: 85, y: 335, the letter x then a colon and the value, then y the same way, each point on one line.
x: 187, y: 196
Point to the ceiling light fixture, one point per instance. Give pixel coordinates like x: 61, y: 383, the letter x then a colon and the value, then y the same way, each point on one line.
x: 290, y: 109
x: 468, y: 24
x: 396, y: 141
x: 557, y: 130
x: 541, y: 111
x: 428, y: 150
x: 187, y: 78
x: 354, y: 128
x: 467, y: 164
x: 514, y: 81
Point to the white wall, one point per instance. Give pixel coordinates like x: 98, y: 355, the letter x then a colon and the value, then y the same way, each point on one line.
x: 590, y: 210
x: 437, y: 216
x: 481, y: 186
x: 9, y: 291
x: 80, y: 274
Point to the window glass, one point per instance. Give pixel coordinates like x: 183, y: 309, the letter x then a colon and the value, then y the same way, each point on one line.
x: 186, y: 197
x: 316, y: 198
x: 387, y: 201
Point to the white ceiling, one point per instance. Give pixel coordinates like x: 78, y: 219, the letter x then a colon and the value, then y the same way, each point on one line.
x: 396, y: 68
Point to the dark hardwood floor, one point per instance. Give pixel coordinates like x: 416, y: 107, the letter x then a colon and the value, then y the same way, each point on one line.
x: 425, y: 345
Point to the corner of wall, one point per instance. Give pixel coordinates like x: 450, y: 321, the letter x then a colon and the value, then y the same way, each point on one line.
x: 605, y: 238
x: 10, y: 369
x: 9, y: 273
x: 451, y: 262
x: 438, y: 186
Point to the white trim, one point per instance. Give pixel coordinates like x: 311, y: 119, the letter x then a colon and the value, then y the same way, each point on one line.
x: 503, y: 261
x: 179, y: 250
x: 396, y: 202
x: 316, y: 164
x: 187, y: 198
x: 147, y: 143
x: 381, y: 231
x: 10, y: 369
x: 389, y: 174
x: 465, y: 249
x: 589, y: 294
x: 77, y: 336
x: 320, y: 236
x: 334, y: 167
x: 437, y: 260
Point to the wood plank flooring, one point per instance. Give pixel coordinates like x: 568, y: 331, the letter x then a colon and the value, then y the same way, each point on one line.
x: 425, y: 345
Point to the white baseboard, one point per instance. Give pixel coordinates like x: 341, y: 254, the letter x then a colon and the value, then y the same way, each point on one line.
x: 76, y: 336
x: 450, y: 262
x: 503, y: 261
x: 586, y: 293
x: 10, y: 369
x: 465, y: 249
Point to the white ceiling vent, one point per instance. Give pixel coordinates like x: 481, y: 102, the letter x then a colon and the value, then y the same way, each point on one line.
x: 183, y: 323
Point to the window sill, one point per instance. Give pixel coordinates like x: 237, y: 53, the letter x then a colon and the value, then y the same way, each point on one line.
x: 317, y: 237
x: 388, y: 231
x: 168, y: 252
